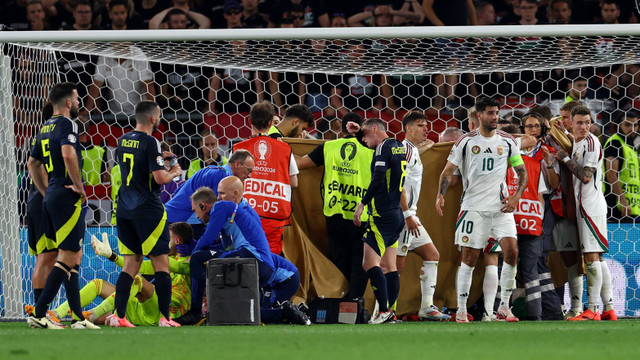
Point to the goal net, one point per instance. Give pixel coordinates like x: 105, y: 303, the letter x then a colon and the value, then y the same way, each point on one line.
x: 209, y: 79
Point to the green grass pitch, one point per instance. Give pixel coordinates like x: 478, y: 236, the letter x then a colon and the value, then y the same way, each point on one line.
x: 495, y: 341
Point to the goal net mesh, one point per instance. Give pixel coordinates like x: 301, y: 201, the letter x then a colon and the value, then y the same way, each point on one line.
x: 212, y: 84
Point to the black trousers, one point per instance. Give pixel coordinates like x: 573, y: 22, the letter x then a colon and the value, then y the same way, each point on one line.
x: 530, y: 250
x: 551, y: 301
x: 346, y: 251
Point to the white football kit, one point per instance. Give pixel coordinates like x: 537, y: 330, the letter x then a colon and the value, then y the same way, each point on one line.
x: 483, y: 163
x: 412, y: 184
x: 591, y: 206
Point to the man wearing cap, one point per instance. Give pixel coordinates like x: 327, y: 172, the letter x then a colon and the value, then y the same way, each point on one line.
x: 233, y: 14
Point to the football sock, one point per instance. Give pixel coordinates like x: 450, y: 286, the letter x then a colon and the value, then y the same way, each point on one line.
x: 379, y: 286
x: 463, y: 284
x: 428, y: 278
x: 71, y: 286
x: 507, y: 283
x: 36, y: 294
x: 136, y: 285
x: 393, y: 288
x: 606, y: 293
x: 55, y: 279
x: 98, y: 283
x: 162, y: 283
x: 576, y: 286
x: 594, y: 284
x: 108, y: 304
x: 123, y: 289
x: 105, y: 306
x: 490, y: 287
x: 87, y: 294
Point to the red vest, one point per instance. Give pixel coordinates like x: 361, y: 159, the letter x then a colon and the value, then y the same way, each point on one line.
x: 268, y: 189
x: 556, y: 201
x: 529, y: 212
x: 562, y: 201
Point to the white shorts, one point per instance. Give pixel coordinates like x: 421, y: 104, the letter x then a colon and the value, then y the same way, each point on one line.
x: 408, y: 242
x: 493, y: 246
x: 593, y: 233
x: 565, y: 236
x: 474, y: 228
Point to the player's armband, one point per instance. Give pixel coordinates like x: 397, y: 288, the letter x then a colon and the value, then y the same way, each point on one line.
x: 516, y: 160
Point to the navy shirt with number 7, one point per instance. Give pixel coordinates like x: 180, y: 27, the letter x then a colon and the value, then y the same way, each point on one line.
x: 139, y: 155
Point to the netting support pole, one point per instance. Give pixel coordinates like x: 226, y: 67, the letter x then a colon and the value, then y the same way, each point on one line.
x: 9, y: 224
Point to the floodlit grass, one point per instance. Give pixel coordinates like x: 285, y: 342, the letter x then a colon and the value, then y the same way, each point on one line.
x: 495, y: 341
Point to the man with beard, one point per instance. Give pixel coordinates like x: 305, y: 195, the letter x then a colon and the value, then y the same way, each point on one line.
x: 296, y: 120
x: 483, y: 157
x: 57, y: 148
x: 141, y: 217
x: 622, y: 185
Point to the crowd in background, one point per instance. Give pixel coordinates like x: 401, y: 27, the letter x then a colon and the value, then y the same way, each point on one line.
x: 143, y: 14
x: 195, y: 96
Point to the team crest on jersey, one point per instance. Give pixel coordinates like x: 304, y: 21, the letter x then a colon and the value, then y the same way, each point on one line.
x: 71, y: 138
x: 160, y: 160
x: 348, y: 151
x: 465, y: 239
x: 500, y: 150
x: 475, y: 149
x: 263, y: 149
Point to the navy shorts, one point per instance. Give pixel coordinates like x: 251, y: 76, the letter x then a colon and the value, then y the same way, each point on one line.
x: 383, y: 231
x: 38, y: 242
x: 64, y: 216
x: 143, y: 236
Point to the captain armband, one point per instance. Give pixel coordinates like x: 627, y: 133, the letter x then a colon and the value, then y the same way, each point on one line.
x: 516, y: 160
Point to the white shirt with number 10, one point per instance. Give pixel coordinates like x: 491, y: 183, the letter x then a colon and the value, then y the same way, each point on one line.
x: 483, y: 163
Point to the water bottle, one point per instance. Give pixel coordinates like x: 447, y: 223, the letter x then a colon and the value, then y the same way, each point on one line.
x: 172, y: 163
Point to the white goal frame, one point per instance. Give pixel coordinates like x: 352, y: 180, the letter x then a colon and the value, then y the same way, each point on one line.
x: 11, y: 265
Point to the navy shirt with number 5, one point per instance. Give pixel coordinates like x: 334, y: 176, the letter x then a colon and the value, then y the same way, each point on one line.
x: 139, y: 155
x: 47, y: 148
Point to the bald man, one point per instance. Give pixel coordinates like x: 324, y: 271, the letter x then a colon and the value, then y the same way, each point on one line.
x: 286, y: 279
x: 230, y: 189
x: 225, y: 218
x: 242, y: 236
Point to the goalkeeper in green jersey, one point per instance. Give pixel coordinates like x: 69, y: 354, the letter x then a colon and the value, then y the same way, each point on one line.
x: 142, y: 307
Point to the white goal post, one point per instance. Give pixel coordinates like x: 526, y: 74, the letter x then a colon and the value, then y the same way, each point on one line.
x: 69, y: 40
